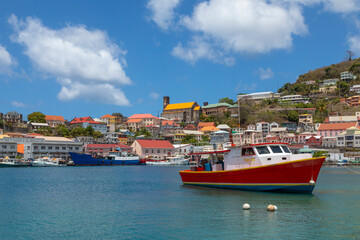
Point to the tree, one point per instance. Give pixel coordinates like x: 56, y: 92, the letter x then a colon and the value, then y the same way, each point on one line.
x: 1, y: 123
x: 205, y: 138
x: 62, y: 131
x: 78, y: 131
x: 293, y: 116
x: 117, y: 115
x: 97, y: 134
x: 189, y: 139
x: 36, y: 117
x: 343, y: 88
x: 226, y: 100
x: 89, y: 130
x: 349, y: 55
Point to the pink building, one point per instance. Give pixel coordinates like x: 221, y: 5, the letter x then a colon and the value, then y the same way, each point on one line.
x: 334, y: 129
x: 137, y: 121
x: 153, y: 148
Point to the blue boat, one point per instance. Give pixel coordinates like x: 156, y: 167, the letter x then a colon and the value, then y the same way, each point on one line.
x: 114, y: 158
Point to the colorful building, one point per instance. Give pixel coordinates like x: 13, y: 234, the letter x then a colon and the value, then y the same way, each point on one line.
x: 334, y: 129
x: 88, y: 121
x: 184, y: 112
x: 153, y: 148
x: 54, y: 121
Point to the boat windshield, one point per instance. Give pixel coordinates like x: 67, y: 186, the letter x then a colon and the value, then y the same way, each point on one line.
x: 247, y: 151
x: 262, y: 150
x: 276, y: 149
x: 286, y: 149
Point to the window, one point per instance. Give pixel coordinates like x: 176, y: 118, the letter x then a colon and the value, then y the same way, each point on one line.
x: 146, y: 151
x: 349, y: 137
x: 36, y: 147
x: 63, y: 148
x: 12, y: 147
x: 50, y: 147
x: 158, y: 151
x: 70, y: 148
x: 262, y: 150
x: 247, y: 151
x: 76, y: 148
x: 57, y: 148
x: 286, y: 149
x: 42, y: 147
x: 4, y: 146
x: 276, y: 149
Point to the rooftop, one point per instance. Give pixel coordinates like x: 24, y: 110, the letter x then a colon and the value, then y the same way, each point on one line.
x: 179, y: 106
x: 145, y: 115
x: 154, y: 143
x: 336, y: 126
x: 54, y: 118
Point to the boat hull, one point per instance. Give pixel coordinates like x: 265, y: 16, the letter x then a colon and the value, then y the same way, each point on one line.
x: 294, y: 176
x: 88, y: 160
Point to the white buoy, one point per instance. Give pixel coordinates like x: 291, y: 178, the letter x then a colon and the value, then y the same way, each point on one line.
x: 275, y: 208
x: 246, y: 206
x: 312, y: 182
x: 271, y: 208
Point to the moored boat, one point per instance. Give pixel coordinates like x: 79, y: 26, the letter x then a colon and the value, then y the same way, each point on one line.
x: 258, y: 167
x: 13, y: 162
x: 114, y: 158
x: 171, y: 161
x: 47, y: 162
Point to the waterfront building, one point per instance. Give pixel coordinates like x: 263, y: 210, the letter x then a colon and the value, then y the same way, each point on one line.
x: 88, y: 121
x: 111, y: 120
x: 85, y: 140
x: 327, y: 89
x: 103, y: 150
x: 205, y: 124
x: 198, y: 135
x: 315, y: 141
x: 153, y: 148
x: 355, y: 88
x: 347, y: 76
x: 183, y: 149
x: 219, y: 137
x: 33, y: 127
x: 137, y: 121
x: 111, y: 137
x: 353, y: 101
x: 169, y: 126
x: 305, y: 118
x: 334, y: 129
x: 54, y: 121
x: 349, y: 138
x: 290, y: 126
x: 328, y: 142
x: 188, y: 112
x: 12, y: 117
x: 216, y: 108
x: 209, y: 129
x: 43, y: 146
x: 258, y: 96
x: 294, y: 99
x: 329, y: 82
x: 263, y: 127
x: 278, y: 132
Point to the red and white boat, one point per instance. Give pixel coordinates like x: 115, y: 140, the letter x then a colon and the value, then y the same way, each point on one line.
x: 257, y: 167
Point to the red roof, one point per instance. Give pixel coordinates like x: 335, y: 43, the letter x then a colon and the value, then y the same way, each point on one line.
x: 32, y: 134
x: 107, y: 116
x: 190, y: 127
x: 107, y: 145
x: 54, y: 118
x: 169, y: 122
x: 206, y: 124
x: 84, y: 119
x: 154, y: 143
x: 336, y: 126
x: 152, y: 125
x: 134, y: 120
x: 146, y: 115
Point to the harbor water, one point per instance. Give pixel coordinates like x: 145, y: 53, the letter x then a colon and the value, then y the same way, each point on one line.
x: 145, y: 202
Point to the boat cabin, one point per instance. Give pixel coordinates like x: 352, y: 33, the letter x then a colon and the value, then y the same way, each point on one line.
x: 254, y: 155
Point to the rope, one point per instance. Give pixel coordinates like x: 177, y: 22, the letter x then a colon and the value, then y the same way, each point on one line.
x: 352, y: 170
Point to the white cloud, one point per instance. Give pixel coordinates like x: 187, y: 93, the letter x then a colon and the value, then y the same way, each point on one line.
x: 239, y: 26
x: 265, y: 73
x: 354, y: 43
x: 102, y: 93
x: 154, y: 95
x: 162, y: 11
x: 17, y: 104
x: 6, y: 61
x: 336, y: 6
x: 85, y: 62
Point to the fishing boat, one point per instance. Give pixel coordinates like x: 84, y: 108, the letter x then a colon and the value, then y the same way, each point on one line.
x: 171, y: 161
x: 47, y: 162
x: 13, y: 162
x: 114, y: 158
x: 256, y: 167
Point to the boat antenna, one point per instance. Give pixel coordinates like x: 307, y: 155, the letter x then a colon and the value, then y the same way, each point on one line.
x: 238, y: 102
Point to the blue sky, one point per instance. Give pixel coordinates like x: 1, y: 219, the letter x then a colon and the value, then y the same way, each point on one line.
x: 91, y: 58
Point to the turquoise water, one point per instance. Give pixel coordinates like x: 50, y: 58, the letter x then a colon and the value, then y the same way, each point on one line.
x: 144, y: 202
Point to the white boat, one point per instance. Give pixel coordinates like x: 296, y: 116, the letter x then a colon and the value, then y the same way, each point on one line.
x: 170, y: 161
x: 47, y: 162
